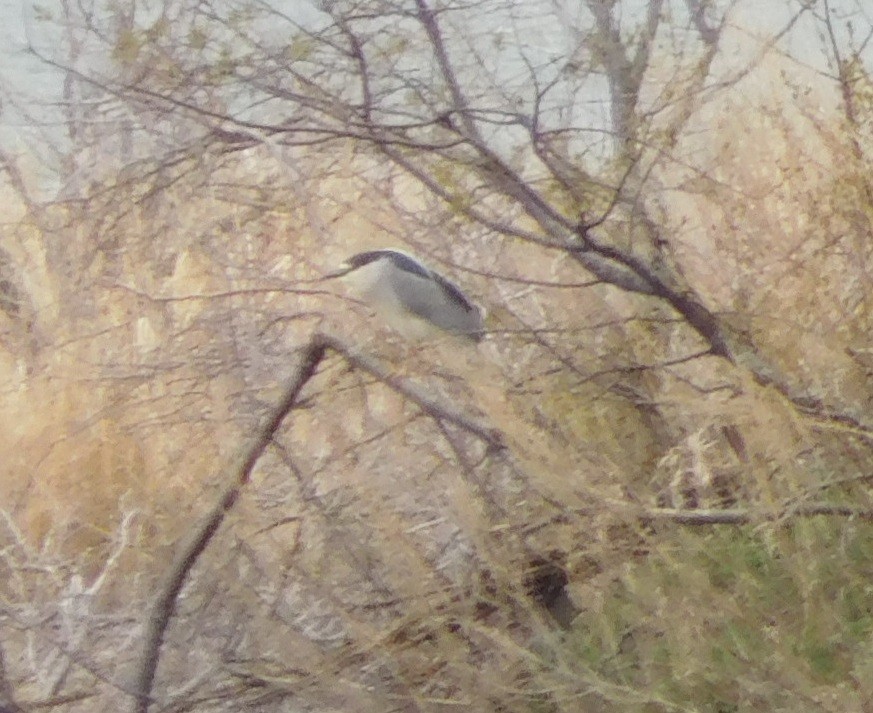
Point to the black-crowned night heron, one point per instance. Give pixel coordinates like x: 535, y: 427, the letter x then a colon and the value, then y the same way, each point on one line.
x: 415, y: 300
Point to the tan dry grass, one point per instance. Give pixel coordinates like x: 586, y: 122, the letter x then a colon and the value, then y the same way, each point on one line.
x: 379, y: 560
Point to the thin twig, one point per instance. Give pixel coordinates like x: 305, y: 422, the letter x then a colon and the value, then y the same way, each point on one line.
x: 739, y: 516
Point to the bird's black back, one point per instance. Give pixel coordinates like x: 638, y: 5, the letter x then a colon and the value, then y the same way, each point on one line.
x: 413, y: 266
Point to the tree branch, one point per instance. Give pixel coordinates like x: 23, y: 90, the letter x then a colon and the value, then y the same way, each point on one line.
x: 8, y: 704
x: 739, y: 516
x: 312, y: 355
x: 165, y: 603
x: 433, y: 408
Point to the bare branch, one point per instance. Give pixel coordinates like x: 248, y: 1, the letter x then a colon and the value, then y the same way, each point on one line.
x: 708, y: 33
x: 7, y: 695
x: 742, y: 517
x: 623, y: 77
x: 418, y: 396
x: 199, y: 538
x: 197, y: 541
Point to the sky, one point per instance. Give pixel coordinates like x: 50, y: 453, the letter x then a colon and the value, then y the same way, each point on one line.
x: 31, y: 90
x: 28, y: 87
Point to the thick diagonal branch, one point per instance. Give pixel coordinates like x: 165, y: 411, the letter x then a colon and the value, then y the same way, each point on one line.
x: 312, y: 355
x: 165, y: 603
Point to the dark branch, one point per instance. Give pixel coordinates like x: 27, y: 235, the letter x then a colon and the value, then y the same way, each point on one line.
x: 739, y: 516
x: 312, y: 355
x: 437, y: 410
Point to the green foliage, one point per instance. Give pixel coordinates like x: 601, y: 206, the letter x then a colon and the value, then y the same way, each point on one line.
x: 708, y: 608
x: 197, y: 39
x: 299, y: 49
x: 223, y: 69
x: 127, y: 48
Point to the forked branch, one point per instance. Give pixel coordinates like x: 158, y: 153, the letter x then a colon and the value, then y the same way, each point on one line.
x: 200, y: 536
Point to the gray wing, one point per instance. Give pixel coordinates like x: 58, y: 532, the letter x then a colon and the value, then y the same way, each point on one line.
x: 440, y: 302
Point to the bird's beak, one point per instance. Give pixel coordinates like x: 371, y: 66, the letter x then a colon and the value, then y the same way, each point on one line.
x: 343, y: 270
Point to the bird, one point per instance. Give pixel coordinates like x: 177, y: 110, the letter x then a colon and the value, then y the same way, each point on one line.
x: 412, y: 298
